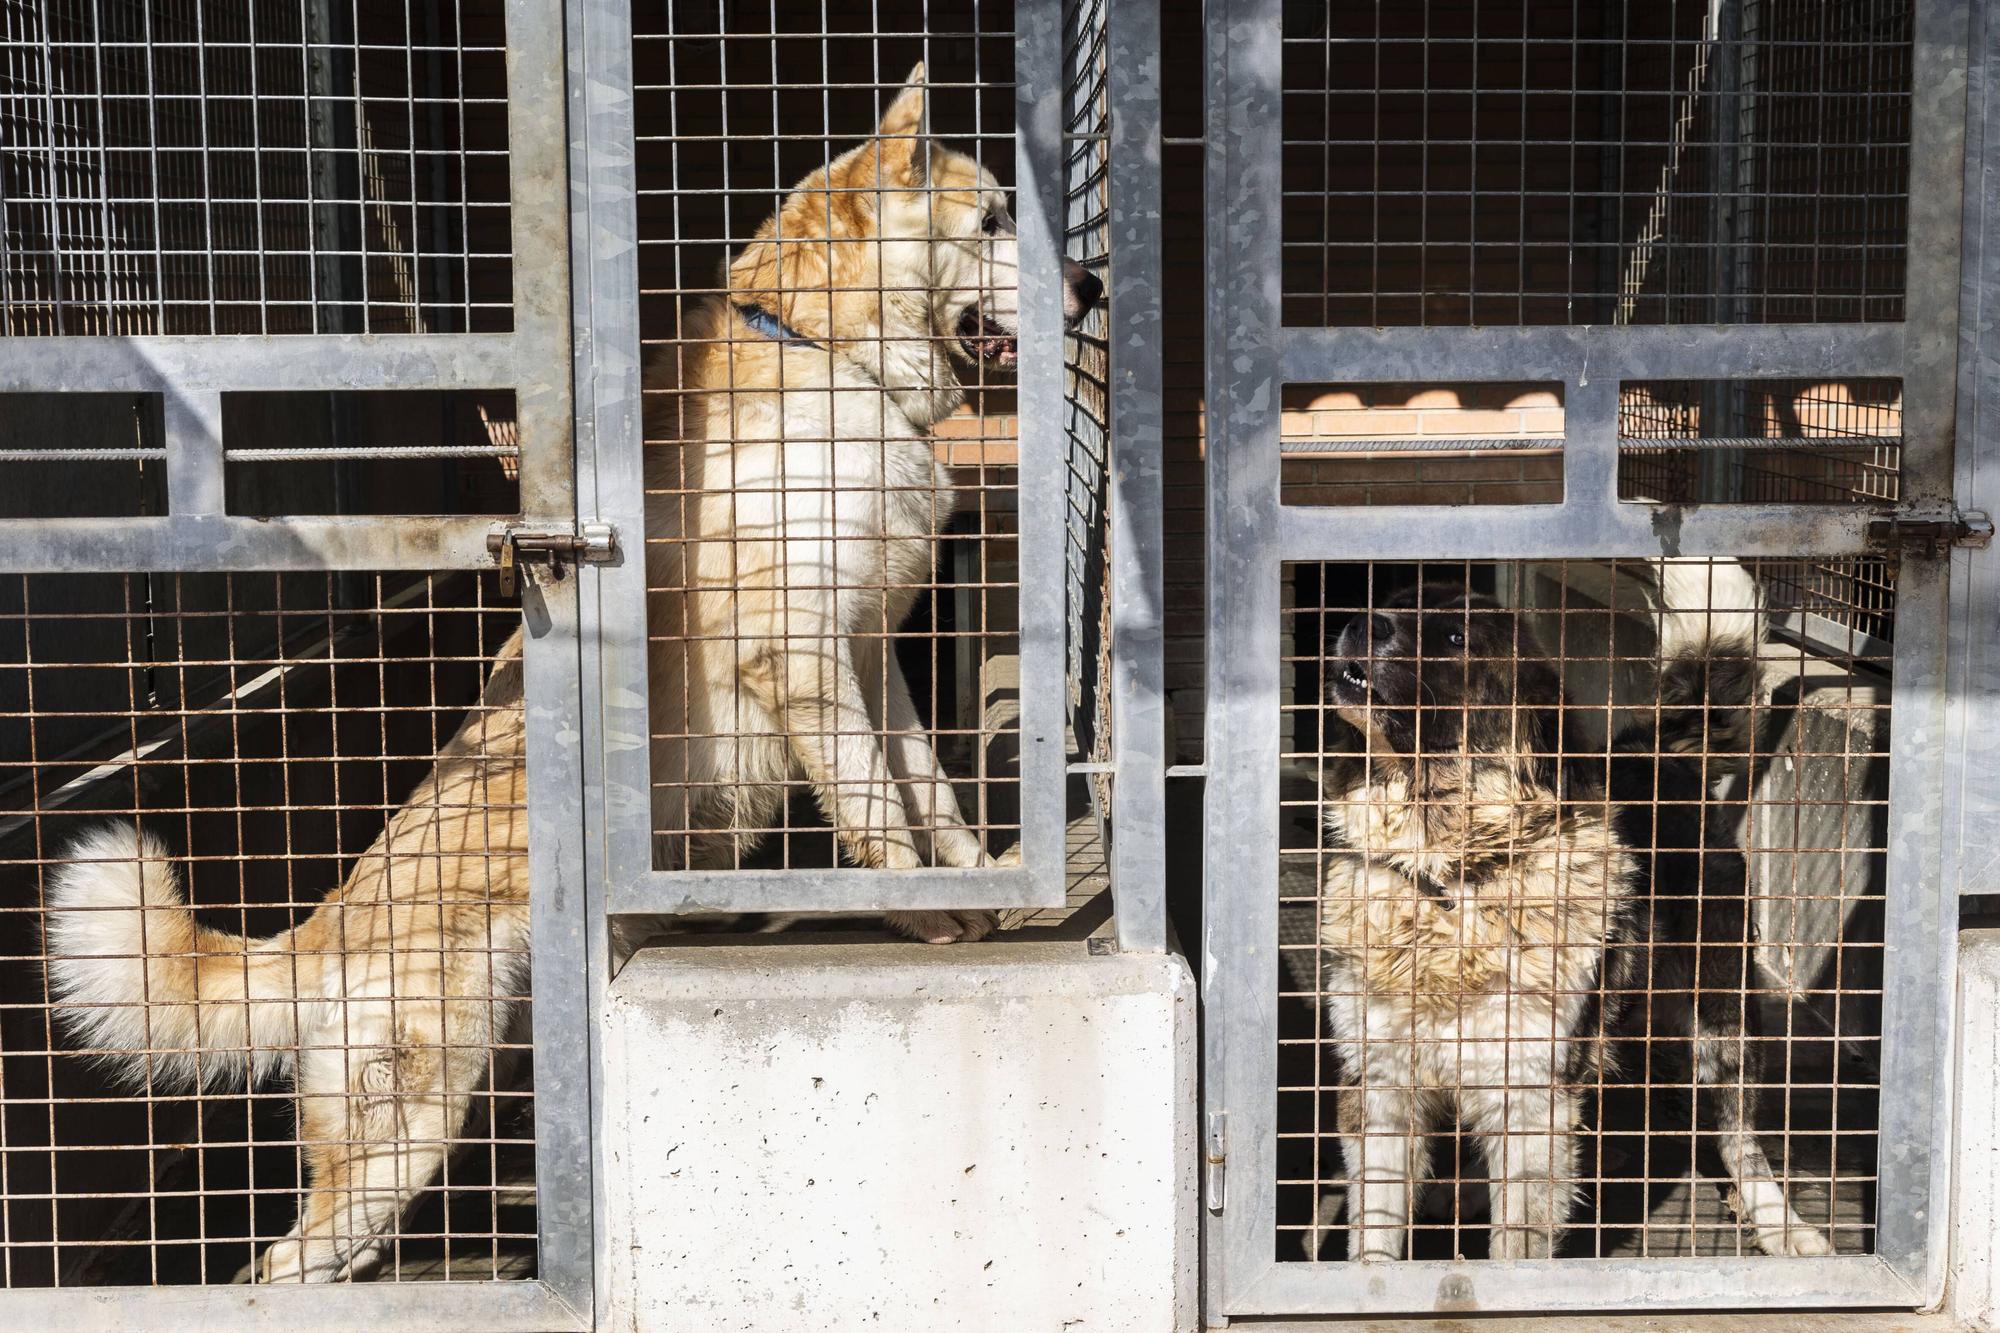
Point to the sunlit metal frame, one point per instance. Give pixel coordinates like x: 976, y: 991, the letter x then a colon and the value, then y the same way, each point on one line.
x: 1251, y: 535
x: 614, y: 595
x: 197, y: 535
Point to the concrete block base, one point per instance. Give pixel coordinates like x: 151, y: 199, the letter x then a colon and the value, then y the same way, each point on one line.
x: 1975, y: 1221
x: 900, y: 1137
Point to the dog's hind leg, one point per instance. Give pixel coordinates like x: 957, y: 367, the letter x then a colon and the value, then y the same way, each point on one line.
x: 377, y: 1125
x: 1726, y: 1076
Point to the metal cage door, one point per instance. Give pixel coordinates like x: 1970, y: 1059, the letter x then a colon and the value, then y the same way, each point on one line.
x: 1324, y: 135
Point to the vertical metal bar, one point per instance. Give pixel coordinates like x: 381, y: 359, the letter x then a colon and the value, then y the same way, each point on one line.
x: 1038, y: 103
x: 329, y: 271
x: 563, y: 934
x: 1972, y: 681
x: 610, y: 475
x: 537, y: 184
x: 1721, y: 480
x: 1919, y: 946
x: 192, y: 425
x: 1920, y: 930
x: 565, y: 913
x: 1937, y: 192
x: 1138, y: 558
x: 614, y: 722
x: 1240, y: 867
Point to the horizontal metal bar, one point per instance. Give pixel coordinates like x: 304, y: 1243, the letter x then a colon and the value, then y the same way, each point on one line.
x: 134, y: 454
x: 1809, y: 443
x: 1810, y: 630
x: 191, y: 543
x: 828, y: 889
x: 1579, y: 353
x: 1508, y: 443
x: 178, y: 365
x: 1542, y: 1286
x: 529, y: 1306
x: 1550, y: 532
x: 371, y: 451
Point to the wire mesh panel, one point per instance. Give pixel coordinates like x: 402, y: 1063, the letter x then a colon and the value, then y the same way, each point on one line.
x: 331, y: 765
x: 847, y: 633
x: 1580, y: 927
x: 1697, y: 161
x: 1087, y: 418
x: 1380, y: 444
x: 255, y: 167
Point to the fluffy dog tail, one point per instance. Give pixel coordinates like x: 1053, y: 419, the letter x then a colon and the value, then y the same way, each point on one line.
x: 1711, y: 628
x: 163, y: 999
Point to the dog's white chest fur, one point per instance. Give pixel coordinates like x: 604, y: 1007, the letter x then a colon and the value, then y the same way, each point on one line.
x: 848, y: 483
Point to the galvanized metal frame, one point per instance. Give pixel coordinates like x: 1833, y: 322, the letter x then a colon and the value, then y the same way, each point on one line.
x: 614, y: 624
x: 1250, y: 356
x: 192, y: 373
x: 1136, y: 507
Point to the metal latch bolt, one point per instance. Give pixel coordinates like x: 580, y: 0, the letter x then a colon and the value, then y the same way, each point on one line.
x: 1931, y: 536
x: 512, y: 543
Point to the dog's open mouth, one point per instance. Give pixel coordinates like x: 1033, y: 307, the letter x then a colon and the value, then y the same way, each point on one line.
x: 984, y: 340
x: 1355, y: 679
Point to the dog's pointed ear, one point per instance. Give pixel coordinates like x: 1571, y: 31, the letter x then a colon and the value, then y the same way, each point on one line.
x: 905, y: 137
x: 905, y: 116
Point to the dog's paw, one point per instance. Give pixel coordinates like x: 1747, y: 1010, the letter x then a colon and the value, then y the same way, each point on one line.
x: 942, y: 927
x: 1794, y: 1242
x: 1010, y: 857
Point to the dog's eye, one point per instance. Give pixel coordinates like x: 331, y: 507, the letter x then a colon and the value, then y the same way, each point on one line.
x: 1456, y: 638
x: 991, y: 223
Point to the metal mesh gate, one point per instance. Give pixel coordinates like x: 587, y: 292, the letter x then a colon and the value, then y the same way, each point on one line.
x: 1591, y: 927
x: 869, y: 714
x: 269, y: 713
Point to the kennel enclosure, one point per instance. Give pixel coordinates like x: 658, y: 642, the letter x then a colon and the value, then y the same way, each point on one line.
x: 1615, y: 286
x: 1518, y: 299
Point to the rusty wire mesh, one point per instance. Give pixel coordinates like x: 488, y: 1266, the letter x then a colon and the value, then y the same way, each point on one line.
x: 263, y: 729
x: 254, y: 166
x: 1466, y: 162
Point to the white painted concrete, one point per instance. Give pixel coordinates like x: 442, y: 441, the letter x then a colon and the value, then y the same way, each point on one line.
x: 902, y: 1138
x: 1975, y: 1260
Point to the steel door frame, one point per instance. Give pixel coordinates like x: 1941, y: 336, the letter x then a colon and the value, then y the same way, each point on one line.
x: 612, y: 489
x: 1250, y: 356
x: 191, y: 373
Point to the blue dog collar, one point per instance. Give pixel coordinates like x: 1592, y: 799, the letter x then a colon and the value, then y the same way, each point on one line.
x: 768, y: 324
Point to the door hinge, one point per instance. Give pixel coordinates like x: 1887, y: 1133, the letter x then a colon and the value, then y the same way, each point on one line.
x: 1913, y: 534
x: 512, y: 544
x: 1215, y: 1176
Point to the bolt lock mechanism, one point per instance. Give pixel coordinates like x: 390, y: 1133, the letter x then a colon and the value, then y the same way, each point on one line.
x: 513, y: 544
x: 1922, y: 534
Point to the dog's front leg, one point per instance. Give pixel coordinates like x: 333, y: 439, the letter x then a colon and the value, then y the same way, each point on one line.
x: 915, y: 760
x: 1386, y: 1160
x: 1531, y: 1162
x: 838, y: 745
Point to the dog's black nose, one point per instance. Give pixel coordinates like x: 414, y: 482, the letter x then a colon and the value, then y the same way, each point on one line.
x: 1381, y: 630
x: 1082, y: 290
